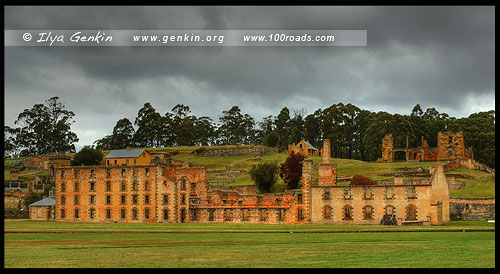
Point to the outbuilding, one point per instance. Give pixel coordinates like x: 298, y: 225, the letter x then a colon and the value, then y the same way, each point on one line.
x: 43, y: 210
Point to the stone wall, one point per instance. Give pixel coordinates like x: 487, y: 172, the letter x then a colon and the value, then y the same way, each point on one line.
x: 245, y: 189
x: 14, y: 200
x: 454, y: 184
x: 41, y: 213
x: 387, y: 147
x: 238, y: 151
x: 451, y: 166
x: 376, y: 197
x: 472, y: 208
x: 450, y: 146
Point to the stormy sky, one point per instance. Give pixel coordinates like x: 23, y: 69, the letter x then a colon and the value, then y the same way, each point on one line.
x: 441, y: 57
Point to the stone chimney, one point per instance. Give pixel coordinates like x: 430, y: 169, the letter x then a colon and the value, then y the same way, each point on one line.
x: 327, y: 172
x: 326, y: 151
x: 306, y: 187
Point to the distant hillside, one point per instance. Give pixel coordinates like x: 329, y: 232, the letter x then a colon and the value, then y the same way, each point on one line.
x: 477, y: 183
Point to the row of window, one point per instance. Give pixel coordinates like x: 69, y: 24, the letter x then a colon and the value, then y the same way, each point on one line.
x: 389, y: 194
x: 92, y: 213
x: 245, y: 214
x: 123, y: 186
x: 92, y: 172
x: 123, y: 199
x: 347, y: 213
x: 367, y: 212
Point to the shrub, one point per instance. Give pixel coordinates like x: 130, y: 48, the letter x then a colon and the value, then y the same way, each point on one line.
x: 291, y: 170
x: 264, y: 176
x: 87, y: 156
x: 359, y: 180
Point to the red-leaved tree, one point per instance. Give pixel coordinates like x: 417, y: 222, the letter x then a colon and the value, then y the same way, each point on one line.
x: 291, y: 170
x: 359, y: 180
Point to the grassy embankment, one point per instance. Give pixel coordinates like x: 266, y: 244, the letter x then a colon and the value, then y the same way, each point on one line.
x: 477, y: 183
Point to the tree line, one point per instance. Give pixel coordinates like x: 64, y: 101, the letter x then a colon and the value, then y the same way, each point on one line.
x: 354, y: 133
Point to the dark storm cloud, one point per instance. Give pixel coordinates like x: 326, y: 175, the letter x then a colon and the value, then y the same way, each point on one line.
x: 440, y: 57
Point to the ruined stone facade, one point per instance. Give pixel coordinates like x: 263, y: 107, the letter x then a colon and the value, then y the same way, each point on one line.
x: 14, y: 200
x: 180, y: 193
x: 387, y: 147
x: 472, y: 208
x: 450, y: 147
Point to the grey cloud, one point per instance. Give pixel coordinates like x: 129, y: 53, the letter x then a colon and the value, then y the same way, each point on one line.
x: 435, y: 56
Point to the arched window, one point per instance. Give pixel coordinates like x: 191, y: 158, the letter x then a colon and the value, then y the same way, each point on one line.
x: 411, y: 212
x: 368, y: 212
x: 135, y: 214
x: 390, y: 210
x: 184, y: 183
x: 327, y: 212
x: 347, y: 212
x: 165, y: 214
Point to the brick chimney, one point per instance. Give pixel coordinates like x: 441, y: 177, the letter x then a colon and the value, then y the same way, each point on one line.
x: 326, y: 151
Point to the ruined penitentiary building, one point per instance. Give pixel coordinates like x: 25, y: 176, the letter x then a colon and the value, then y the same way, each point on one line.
x: 162, y: 192
x: 450, y: 146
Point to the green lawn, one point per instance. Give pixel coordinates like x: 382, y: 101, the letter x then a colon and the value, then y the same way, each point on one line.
x: 36, y: 226
x: 249, y: 249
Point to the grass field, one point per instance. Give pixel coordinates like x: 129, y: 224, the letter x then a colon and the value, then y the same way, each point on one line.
x: 220, y: 246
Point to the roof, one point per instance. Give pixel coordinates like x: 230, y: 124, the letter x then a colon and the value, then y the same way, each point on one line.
x: 309, y: 146
x: 49, y: 201
x: 125, y: 153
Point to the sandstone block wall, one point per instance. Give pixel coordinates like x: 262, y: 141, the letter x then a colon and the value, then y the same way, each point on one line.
x: 244, y: 151
x: 41, y: 213
x: 376, y: 197
x: 472, y: 208
x: 450, y: 146
x: 98, y: 176
x: 14, y: 200
x: 387, y: 148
